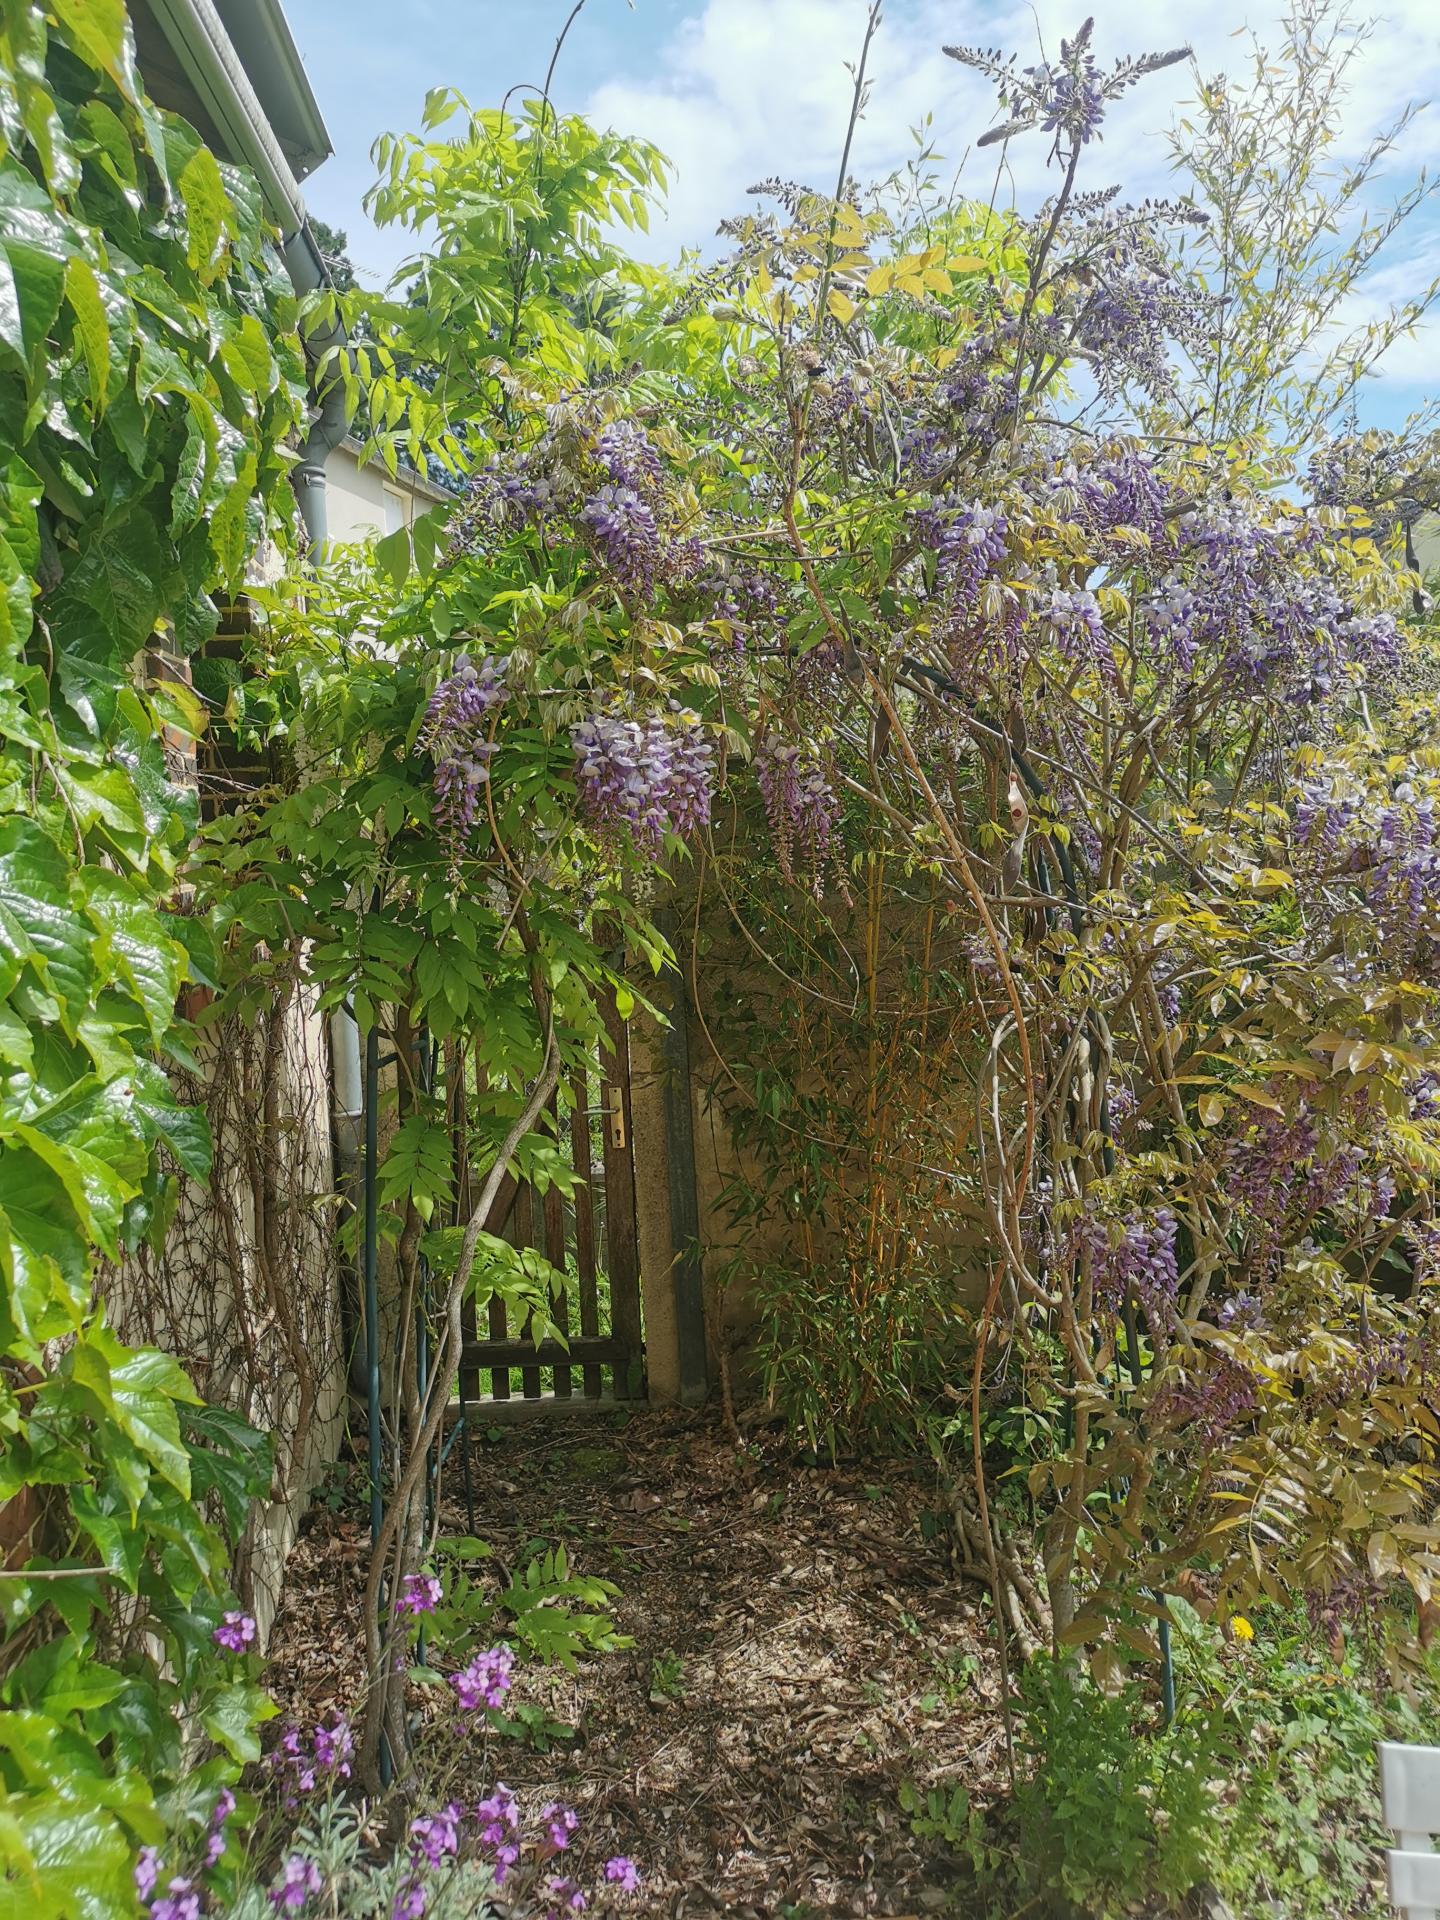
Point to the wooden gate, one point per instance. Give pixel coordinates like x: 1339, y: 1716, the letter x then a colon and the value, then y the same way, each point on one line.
x: 592, y: 1239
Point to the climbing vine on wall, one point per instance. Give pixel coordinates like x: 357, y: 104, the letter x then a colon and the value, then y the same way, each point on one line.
x: 149, y: 375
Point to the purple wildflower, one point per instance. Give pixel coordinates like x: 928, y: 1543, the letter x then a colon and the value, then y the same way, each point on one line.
x: 499, y: 1827
x: 420, y: 1593
x: 334, y: 1746
x: 437, y: 1836
x: 147, y: 1872
x: 235, y: 1632
x: 486, y: 1681
x: 568, y: 1896
x: 300, y: 1879
x: 560, y: 1824
x: 180, y: 1901
x: 410, y: 1902
x: 623, y: 1873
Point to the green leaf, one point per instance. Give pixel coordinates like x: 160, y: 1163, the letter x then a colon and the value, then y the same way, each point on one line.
x: 120, y: 1542
x: 246, y: 355
x: 35, y: 914
x: 228, y: 1457
x: 34, y: 246
x: 184, y: 1130
x: 72, y: 1856
x: 92, y: 328
x: 207, y: 210
x: 57, y: 1681
x: 97, y: 30
x: 97, y: 1193
x: 232, y: 1717
x: 147, y: 1386
x: 135, y: 948
x: 42, y: 1243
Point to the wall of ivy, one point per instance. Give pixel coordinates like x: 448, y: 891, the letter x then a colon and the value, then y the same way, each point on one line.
x: 150, y: 373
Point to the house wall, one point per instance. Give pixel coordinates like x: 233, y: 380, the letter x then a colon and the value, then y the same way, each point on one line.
x: 364, y: 502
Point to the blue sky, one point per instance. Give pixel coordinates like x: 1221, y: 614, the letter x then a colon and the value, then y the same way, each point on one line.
x: 736, y: 89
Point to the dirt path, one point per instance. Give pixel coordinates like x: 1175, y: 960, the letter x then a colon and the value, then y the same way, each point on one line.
x: 801, y: 1650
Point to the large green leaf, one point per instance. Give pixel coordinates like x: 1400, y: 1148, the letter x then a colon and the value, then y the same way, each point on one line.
x: 147, y: 1386
x: 229, y: 1458
x: 55, y: 1679
x: 35, y: 243
x: 134, y: 947
x: 70, y: 1860
x: 232, y: 1717
x: 44, y: 1242
x: 97, y: 1193
x: 207, y: 210
x: 35, y: 908
x: 185, y: 1130
x: 97, y: 28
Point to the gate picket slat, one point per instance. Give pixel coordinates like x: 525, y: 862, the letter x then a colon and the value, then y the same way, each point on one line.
x: 555, y: 1254
x: 525, y: 1225
x: 457, y: 1120
x: 497, y: 1223
x: 585, y: 1227
x: 621, y: 1239
x: 597, y: 1231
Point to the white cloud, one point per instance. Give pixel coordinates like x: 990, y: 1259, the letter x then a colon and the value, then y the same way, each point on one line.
x: 749, y: 88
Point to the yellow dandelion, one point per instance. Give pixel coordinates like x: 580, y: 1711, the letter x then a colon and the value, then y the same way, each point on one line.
x: 1241, y: 1627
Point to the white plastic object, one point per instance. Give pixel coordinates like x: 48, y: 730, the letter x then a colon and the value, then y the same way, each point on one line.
x: 1410, y: 1798
x: 1414, y: 1882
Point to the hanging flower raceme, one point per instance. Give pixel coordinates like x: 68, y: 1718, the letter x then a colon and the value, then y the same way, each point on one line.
x: 1078, y: 628
x: 625, y: 452
x: 1137, y: 1265
x: 652, y: 777
x: 626, y: 534
x: 800, y: 804
x: 455, y: 733
x: 969, y: 543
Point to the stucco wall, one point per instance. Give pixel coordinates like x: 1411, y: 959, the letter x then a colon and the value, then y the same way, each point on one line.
x: 363, y: 501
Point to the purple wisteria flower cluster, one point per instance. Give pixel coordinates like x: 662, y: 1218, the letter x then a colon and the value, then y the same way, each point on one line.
x: 1075, y: 622
x: 1214, y: 1398
x: 969, y: 545
x: 456, y: 733
x: 626, y: 534
x: 800, y: 804
x: 1386, y: 839
x: 1066, y: 97
x: 650, y: 777
x: 1134, y: 1262
x: 629, y: 518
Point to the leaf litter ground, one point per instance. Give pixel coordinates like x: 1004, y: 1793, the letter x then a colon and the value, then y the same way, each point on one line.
x: 803, y: 1647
